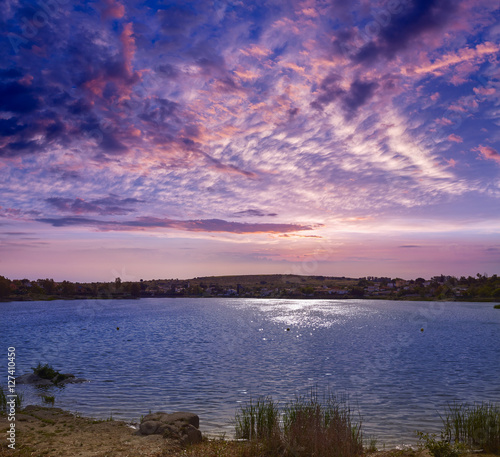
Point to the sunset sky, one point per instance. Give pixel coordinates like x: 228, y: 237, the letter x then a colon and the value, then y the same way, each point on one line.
x: 150, y: 139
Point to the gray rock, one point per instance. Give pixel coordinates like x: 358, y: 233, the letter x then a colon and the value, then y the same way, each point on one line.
x: 180, y: 426
x: 32, y: 378
x: 149, y: 427
x: 190, y: 435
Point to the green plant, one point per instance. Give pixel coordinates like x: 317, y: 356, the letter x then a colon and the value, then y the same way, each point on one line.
x: 48, y: 399
x: 372, y: 444
x: 257, y: 420
x: 303, y: 427
x: 45, y: 371
x: 48, y: 372
x: 438, y: 448
x: 476, y: 426
x: 19, y: 400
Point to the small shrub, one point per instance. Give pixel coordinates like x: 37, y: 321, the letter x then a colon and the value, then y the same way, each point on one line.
x: 438, y: 448
x: 45, y: 371
x: 48, y: 372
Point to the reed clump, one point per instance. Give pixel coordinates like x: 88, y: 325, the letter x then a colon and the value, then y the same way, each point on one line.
x: 475, y: 426
x: 304, y: 427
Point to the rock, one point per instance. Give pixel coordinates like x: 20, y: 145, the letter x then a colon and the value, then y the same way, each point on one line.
x: 31, y: 378
x: 190, y: 435
x: 70, y: 379
x: 180, y: 426
x: 59, y: 380
x: 149, y: 427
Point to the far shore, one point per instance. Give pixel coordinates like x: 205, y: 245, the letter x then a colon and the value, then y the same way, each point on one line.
x: 410, y: 299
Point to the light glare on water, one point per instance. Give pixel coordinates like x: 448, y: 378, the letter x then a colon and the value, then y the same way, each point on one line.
x: 211, y: 355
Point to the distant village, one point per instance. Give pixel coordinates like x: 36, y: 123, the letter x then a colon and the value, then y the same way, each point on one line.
x: 480, y: 287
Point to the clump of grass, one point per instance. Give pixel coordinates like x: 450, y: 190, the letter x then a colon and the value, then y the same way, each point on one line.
x: 497, y: 306
x: 45, y: 371
x: 476, y: 426
x: 438, y: 448
x: 49, y: 399
x: 48, y: 372
x: 372, y: 444
x: 259, y: 420
x: 304, y: 427
x: 19, y: 398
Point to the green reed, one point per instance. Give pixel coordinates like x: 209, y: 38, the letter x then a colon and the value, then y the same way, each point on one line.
x: 306, y: 426
x: 476, y: 426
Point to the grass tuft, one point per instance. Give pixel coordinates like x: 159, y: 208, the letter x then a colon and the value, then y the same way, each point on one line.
x: 476, y: 426
x: 48, y: 372
x: 304, y: 427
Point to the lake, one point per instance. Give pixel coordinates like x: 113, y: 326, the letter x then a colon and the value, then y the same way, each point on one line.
x: 399, y: 362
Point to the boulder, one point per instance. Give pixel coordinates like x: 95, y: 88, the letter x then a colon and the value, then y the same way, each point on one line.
x: 180, y: 426
x: 59, y: 380
x: 31, y: 378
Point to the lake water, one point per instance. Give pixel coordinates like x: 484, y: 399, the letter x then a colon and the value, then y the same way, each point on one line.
x: 209, y: 355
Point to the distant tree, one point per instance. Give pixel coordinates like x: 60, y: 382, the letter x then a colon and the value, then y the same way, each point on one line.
x: 135, y: 289
x: 357, y: 292
x: 4, y: 287
x: 48, y: 285
x: 308, y: 290
x: 118, y: 283
x: 68, y: 288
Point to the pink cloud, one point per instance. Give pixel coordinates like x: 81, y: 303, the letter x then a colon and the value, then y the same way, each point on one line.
x: 113, y: 10
x: 128, y: 42
x: 484, y: 90
x: 488, y: 153
x: 455, y: 138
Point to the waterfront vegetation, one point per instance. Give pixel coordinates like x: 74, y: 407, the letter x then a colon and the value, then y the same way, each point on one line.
x: 307, y: 426
x: 475, y: 426
x: 304, y: 427
x: 466, y: 428
x: 478, y: 288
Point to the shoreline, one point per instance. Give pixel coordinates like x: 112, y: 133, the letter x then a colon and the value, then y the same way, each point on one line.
x: 49, y: 431
x: 387, y: 298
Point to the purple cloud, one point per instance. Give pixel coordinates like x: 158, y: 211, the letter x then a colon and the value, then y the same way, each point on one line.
x: 201, y: 225
x: 111, y: 205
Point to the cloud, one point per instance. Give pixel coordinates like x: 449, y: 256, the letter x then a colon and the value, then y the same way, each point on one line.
x: 18, y: 98
x: 254, y: 212
x: 111, y: 205
x: 201, y: 225
x: 488, y: 153
x: 455, y: 138
x: 358, y: 94
x: 113, y: 9
x: 462, y: 56
x: 415, y: 20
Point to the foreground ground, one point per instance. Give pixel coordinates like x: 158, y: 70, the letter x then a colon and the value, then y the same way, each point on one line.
x: 52, y: 432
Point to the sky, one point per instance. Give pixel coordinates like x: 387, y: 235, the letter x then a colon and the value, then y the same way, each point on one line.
x: 174, y: 139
